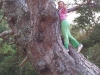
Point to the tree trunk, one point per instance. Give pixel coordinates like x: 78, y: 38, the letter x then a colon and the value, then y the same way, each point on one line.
x: 40, y: 38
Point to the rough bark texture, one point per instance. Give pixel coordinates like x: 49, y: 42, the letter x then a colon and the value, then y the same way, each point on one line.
x: 38, y: 33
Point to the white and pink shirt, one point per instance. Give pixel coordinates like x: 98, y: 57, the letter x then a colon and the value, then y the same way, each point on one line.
x: 63, y: 12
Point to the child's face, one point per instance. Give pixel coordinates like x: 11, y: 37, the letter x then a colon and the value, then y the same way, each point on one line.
x: 60, y: 5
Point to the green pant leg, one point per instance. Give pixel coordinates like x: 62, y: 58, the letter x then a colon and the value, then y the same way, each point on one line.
x: 64, y: 31
x: 72, y: 40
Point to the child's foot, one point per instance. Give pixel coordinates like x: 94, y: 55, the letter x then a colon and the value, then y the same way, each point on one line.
x: 67, y: 50
x: 80, y: 48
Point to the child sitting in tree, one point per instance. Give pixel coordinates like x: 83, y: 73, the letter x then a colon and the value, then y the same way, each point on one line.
x: 67, y: 37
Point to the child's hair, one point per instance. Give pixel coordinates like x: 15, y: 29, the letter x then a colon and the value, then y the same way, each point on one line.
x: 62, y: 2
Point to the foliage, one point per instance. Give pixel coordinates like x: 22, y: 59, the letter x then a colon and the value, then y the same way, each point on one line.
x: 10, y: 57
x: 93, y: 38
x: 85, y: 20
x: 3, y: 22
x: 91, y: 41
x: 92, y: 46
x: 90, y: 27
x: 10, y: 60
x: 95, y: 35
x: 94, y: 54
x: 87, y: 15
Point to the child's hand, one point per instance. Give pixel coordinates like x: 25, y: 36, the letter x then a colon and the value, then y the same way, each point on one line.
x: 65, y: 7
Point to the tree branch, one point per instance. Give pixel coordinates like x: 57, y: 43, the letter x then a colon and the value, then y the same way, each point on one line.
x: 23, y: 62
x: 77, y: 7
x: 8, y: 32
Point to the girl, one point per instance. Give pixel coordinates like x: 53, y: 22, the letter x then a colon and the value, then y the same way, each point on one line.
x: 65, y: 28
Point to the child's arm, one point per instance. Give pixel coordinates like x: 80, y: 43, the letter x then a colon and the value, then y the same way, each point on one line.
x: 73, y: 9
x: 64, y: 9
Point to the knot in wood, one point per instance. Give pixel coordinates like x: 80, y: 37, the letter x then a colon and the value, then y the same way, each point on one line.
x: 40, y: 36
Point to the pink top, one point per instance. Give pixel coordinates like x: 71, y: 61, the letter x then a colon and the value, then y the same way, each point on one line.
x: 62, y: 13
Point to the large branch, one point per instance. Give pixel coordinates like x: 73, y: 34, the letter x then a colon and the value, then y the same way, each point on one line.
x: 84, y: 5
x: 5, y: 33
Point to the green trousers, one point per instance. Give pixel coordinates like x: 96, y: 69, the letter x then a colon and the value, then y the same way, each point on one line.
x: 67, y: 37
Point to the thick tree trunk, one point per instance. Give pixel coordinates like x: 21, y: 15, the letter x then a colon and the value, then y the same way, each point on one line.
x: 41, y: 40
x: 46, y: 50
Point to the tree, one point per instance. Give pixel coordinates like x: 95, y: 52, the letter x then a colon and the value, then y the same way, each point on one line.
x: 37, y: 31
x: 92, y: 46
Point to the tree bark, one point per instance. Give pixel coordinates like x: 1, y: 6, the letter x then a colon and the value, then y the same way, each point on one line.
x: 39, y: 31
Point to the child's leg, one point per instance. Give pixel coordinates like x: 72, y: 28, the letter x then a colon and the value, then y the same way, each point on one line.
x: 72, y: 40
x: 75, y: 43
x: 64, y: 31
